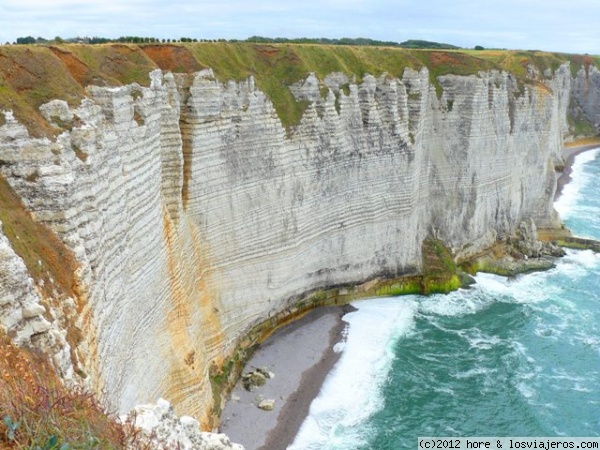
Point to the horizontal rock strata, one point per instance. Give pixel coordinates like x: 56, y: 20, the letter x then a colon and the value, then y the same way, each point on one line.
x: 194, y: 215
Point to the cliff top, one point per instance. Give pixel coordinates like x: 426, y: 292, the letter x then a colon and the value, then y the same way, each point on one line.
x: 31, y: 75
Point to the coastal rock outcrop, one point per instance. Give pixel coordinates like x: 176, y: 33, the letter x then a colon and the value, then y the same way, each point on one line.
x: 194, y: 215
x: 252, y: 380
x: 163, y: 429
x: 267, y: 404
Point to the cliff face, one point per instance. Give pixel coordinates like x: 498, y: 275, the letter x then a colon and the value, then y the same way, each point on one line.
x: 585, y: 96
x: 193, y: 215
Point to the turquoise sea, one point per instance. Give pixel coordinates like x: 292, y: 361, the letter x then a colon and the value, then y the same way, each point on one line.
x: 508, y: 357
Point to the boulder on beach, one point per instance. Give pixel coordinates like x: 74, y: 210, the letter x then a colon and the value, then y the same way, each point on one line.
x: 267, y: 405
x: 252, y: 380
x: 265, y: 371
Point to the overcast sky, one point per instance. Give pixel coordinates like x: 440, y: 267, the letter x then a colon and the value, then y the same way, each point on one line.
x: 555, y: 25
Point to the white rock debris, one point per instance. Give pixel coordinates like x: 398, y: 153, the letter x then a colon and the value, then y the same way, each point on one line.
x: 163, y: 428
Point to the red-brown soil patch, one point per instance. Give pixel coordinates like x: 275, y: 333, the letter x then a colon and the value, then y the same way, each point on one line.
x: 78, y: 70
x: 172, y: 58
x: 30, y: 77
x: 266, y: 51
x: 114, y: 64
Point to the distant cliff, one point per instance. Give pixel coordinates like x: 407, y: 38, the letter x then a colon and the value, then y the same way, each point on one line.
x: 160, y: 223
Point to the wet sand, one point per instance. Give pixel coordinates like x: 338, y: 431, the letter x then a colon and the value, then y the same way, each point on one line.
x: 300, y: 355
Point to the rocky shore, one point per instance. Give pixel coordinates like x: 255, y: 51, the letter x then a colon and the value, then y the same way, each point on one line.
x: 296, y: 360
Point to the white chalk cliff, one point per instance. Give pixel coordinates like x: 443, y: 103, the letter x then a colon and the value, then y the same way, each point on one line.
x: 193, y: 215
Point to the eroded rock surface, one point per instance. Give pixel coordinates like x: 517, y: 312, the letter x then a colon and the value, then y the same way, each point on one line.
x: 163, y: 429
x: 194, y: 215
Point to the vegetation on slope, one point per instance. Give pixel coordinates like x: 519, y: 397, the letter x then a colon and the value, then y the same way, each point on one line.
x: 114, y: 64
x: 38, y: 412
x: 516, y: 62
x: 29, y: 77
x: 46, y: 257
x: 440, y: 273
x: 277, y: 66
x: 33, y: 74
x: 579, y: 61
x: 581, y: 127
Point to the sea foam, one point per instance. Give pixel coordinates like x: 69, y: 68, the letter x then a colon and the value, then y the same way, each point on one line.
x: 579, y: 179
x: 352, y: 391
x: 339, y: 417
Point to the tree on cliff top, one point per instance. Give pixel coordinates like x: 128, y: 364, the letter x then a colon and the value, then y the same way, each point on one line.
x: 26, y: 40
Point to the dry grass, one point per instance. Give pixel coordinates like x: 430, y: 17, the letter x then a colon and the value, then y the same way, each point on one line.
x: 38, y: 412
x: 32, y: 74
x: 114, y: 64
x: 173, y: 58
x: 45, y: 255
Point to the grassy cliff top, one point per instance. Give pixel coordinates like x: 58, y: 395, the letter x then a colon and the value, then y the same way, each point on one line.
x: 31, y: 75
